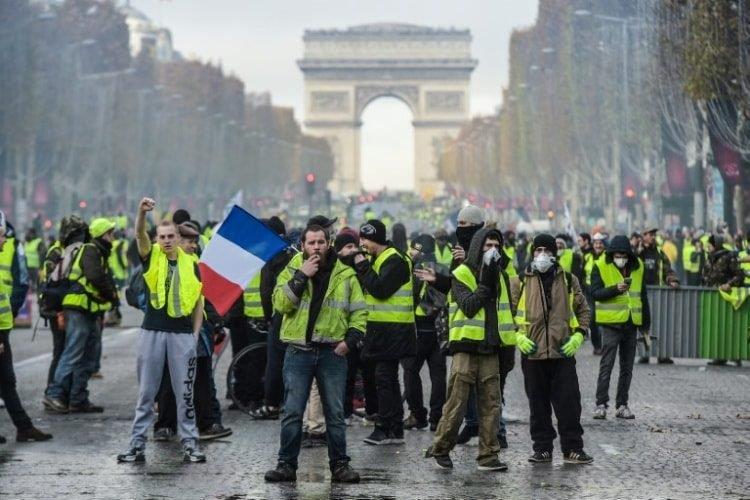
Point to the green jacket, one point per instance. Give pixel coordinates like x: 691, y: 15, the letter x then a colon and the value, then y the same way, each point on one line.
x: 343, y: 308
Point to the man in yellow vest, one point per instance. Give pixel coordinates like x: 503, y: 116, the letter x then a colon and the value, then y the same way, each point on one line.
x: 691, y: 260
x: 13, y: 288
x: 171, y: 324
x: 324, y: 313
x: 34, y: 250
x: 480, y: 321
x: 92, y: 293
x: 391, y: 333
x: 598, y: 244
x: 443, y: 249
x: 553, y: 314
x: 622, y: 309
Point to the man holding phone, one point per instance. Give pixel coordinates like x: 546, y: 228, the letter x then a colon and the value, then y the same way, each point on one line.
x: 622, y: 308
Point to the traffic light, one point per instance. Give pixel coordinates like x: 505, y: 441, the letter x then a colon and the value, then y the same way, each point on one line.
x: 310, y: 183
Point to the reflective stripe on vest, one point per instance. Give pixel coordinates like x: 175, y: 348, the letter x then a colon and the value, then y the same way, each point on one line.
x: 399, y: 307
x: 82, y: 294
x: 625, y: 306
x: 184, y: 290
x: 251, y: 298
x: 462, y: 327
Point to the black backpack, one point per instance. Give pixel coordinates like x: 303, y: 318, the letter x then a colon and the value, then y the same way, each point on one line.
x: 53, y: 290
x: 135, y: 293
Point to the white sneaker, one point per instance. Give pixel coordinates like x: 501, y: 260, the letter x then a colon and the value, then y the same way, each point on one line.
x: 2, y: 403
x: 601, y: 412
x: 624, y: 412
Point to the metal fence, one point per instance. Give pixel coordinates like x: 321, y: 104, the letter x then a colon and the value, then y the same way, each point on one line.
x: 696, y: 322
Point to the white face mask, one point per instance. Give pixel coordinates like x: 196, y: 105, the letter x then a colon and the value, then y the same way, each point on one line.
x: 542, y: 262
x: 490, y: 255
x: 620, y: 261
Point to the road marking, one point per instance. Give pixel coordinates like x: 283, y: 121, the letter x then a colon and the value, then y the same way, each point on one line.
x: 41, y: 357
x: 609, y: 449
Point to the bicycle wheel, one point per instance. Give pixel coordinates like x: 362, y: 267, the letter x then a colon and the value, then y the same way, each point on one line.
x: 246, y: 359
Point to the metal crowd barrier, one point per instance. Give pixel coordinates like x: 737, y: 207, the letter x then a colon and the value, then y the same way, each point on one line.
x: 696, y: 322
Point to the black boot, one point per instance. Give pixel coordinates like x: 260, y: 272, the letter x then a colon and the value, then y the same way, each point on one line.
x: 341, y: 472
x: 282, y: 473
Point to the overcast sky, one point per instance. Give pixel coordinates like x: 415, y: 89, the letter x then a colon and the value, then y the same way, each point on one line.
x: 260, y: 41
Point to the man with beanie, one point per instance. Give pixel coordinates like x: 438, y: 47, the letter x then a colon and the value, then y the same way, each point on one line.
x: 13, y: 287
x: 480, y: 316
x: 427, y: 302
x: 387, y: 282
x: 92, y: 292
x: 553, y: 318
x: 621, y: 309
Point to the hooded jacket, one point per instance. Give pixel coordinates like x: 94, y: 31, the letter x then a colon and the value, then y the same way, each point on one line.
x: 484, y: 297
x: 95, y: 269
x: 620, y: 244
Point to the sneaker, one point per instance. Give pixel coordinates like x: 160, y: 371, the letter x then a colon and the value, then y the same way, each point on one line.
x: 215, y: 431
x: 192, y: 455
x: 2, y: 404
x: 467, y: 434
x: 314, y: 440
x: 624, y: 412
x: 433, y: 426
x: 343, y: 473
x: 378, y: 437
x: 133, y: 455
x: 413, y: 422
x: 163, y: 434
x: 442, y: 461
x: 282, y: 473
x: 502, y: 441
x: 577, y: 457
x: 349, y: 421
x: 86, y: 407
x: 665, y: 361
x: 54, y: 405
x: 541, y: 457
x: 32, y: 434
x: 97, y: 375
x: 738, y: 363
x: 717, y: 362
x: 600, y: 413
x: 265, y: 412
x: 493, y: 465
x: 643, y: 360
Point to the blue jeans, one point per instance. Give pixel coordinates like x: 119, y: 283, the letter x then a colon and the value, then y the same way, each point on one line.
x: 329, y: 370
x: 79, y: 359
x: 471, y: 414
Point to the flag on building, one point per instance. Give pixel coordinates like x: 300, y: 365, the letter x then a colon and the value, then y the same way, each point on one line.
x: 237, y: 251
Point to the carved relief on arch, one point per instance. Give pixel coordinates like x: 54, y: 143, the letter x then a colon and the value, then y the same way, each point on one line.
x: 364, y: 94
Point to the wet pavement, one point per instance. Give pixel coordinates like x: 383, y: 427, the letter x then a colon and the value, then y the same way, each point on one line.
x: 690, y: 439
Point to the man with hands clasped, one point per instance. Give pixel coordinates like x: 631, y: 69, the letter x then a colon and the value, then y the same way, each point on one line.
x: 553, y: 317
x: 170, y: 328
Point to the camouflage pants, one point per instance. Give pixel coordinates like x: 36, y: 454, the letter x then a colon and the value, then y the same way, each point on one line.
x: 480, y: 370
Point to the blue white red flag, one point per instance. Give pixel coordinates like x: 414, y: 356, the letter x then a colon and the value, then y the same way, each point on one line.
x: 235, y: 254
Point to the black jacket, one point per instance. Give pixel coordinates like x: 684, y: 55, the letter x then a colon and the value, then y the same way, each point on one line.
x: 601, y: 292
x: 96, y: 270
x: 268, y: 276
x: 386, y: 341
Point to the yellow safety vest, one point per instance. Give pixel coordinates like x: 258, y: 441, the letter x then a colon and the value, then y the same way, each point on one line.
x: 399, y: 307
x: 745, y: 266
x: 184, y: 289
x: 343, y: 306
x: 521, y: 311
x: 687, y: 251
x: 117, y: 258
x: 31, y: 249
x: 462, y: 328
x: 251, y: 298
x: 625, y: 306
x: 566, y: 260
x: 444, y: 257
x: 6, y: 283
x: 82, y: 294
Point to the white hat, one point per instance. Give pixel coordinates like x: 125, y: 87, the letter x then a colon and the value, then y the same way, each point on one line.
x: 598, y: 237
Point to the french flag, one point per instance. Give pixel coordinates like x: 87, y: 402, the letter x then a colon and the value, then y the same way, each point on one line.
x: 236, y: 252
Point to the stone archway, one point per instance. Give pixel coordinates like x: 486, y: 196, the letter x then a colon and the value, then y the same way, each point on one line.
x: 428, y: 69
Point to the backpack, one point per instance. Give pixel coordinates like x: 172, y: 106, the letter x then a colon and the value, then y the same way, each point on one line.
x: 53, y: 290
x: 135, y: 293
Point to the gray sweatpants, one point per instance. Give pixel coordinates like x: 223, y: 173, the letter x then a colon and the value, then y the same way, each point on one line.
x: 179, y: 351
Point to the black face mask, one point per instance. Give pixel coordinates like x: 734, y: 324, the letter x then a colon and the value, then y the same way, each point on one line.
x: 465, y: 234
x: 347, y: 260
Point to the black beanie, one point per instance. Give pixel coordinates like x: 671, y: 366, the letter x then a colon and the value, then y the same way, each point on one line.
x: 373, y: 230
x: 277, y: 225
x: 546, y: 241
x: 343, y: 239
x: 425, y: 243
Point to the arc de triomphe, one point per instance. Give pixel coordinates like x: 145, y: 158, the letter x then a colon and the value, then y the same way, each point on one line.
x: 429, y: 69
